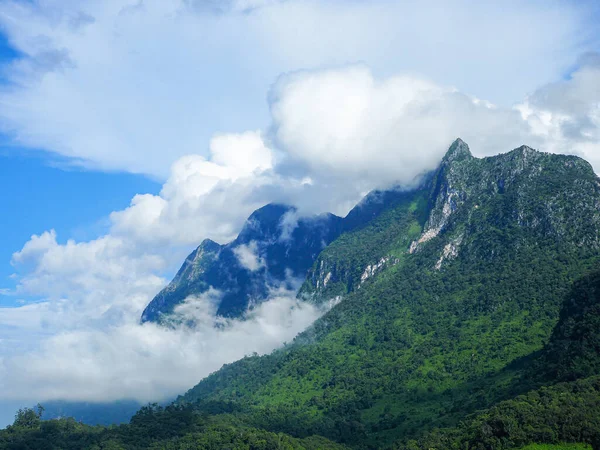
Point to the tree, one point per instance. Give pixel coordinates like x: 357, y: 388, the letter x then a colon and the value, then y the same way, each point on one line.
x: 29, y: 417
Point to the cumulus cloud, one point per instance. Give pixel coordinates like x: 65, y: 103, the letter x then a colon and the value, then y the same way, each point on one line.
x: 347, y: 123
x: 87, y: 281
x: 203, y: 198
x: 130, y: 85
x: 249, y: 257
x: 565, y: 116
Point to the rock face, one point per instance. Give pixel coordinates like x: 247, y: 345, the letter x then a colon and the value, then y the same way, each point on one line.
x: 555, y: 197
x: 552, y: 196
x: 274, y: 249
x: 446, y: 193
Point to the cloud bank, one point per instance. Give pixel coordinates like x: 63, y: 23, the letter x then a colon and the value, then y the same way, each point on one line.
x: 148, y: 362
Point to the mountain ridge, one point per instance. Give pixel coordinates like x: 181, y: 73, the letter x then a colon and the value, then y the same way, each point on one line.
x: 447, y: 312
x: 273, y: 228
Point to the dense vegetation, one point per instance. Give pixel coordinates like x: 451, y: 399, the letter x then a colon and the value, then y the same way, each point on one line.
x: 470, y: 319
x: 563, y: 412
x: 574, y: 348
x: 566, y: 412
x: 152, y: 427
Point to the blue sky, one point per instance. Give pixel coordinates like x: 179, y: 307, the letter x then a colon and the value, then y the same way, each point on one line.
x: 46, y: 192
x: 45, y: 196
x: 133, y: 130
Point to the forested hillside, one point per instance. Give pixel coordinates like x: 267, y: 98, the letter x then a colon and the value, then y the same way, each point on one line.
x: 438, y: 314
x: 153, y: 427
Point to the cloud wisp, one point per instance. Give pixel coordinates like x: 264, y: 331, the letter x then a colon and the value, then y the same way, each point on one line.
x: 248, y: 256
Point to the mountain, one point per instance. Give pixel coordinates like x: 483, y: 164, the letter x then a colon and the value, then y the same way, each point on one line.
x: 274, y: 249
x: 444, y: 295
x: 468, y: 317
x: 108, y: 413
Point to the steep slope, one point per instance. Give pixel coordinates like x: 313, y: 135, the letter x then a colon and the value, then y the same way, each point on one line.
x: 564, y: 412
x: 274, y: 249
x: 574, y: 348
x: 442, y: 295
x: 363, y: 251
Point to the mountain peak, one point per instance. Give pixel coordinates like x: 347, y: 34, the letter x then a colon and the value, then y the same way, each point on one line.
x: 524, y: 151
x: 458, y: 151
x: 209, y: 245
x: 271, y: 212
x: 265, y: 221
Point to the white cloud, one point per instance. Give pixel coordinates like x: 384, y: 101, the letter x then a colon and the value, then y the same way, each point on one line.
x: 289, y: 222
x: 129, y: 85
x: 202, y: 198
x: 198, y: 311
x: 565, y: 115
x: 147, y: 362
x: 248, y: 256
x: 347, y: 123
x: 87, y: 281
